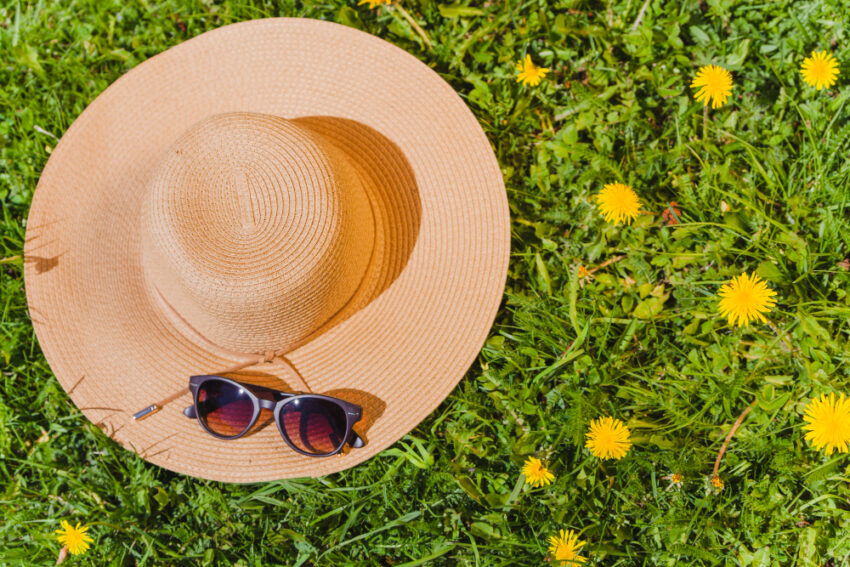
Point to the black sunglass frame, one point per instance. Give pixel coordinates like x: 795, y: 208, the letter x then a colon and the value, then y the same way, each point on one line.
x: 279, y: 400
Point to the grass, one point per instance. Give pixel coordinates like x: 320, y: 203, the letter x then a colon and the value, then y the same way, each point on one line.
x: 761, y: 185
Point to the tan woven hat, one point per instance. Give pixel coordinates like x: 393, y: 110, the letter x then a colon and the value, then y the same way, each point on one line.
x: 290, y: 196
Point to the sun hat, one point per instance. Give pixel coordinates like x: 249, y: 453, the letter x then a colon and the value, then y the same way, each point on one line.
x: 293, y: 200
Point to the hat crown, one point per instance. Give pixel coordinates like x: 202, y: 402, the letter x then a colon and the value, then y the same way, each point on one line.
x: 255, y: 231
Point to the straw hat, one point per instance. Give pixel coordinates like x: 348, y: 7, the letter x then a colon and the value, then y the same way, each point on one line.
x: 289, y: 195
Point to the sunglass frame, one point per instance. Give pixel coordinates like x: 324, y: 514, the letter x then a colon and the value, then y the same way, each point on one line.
x: 353, y: 412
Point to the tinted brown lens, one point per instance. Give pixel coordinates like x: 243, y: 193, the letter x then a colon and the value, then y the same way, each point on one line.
x: 313, y: 425
x: 226, y: 409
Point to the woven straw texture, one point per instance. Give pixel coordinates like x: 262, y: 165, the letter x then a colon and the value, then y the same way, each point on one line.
x: 283, y: 185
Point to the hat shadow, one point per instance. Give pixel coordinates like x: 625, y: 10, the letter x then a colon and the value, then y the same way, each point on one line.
x: 393, y: 195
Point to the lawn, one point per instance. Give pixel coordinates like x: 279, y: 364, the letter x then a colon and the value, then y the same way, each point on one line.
x: 760, y: 185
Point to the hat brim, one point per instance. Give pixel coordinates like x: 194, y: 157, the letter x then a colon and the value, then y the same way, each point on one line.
x: 400, y: 349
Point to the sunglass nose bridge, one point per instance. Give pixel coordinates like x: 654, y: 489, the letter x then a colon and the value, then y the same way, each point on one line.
x: 267, y: 404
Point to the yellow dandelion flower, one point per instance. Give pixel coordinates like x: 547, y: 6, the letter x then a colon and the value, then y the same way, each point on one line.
x: 714, y: 84
x: 744, y: 299
x: 828, y: 423
x: 374, y: 3
x: 74, y: 538
x: 583, y: 272
x: 676, y: 481
x: 717, y: 482
x: 608, y: 438
x: 618, y: 203
x: 528, y: 73
x: 536, y: 473
x: 564, y: 548
x: 820, y: 70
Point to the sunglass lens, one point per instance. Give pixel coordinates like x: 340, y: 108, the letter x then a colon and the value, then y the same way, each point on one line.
x: 225, y: 408
x: 314, y: 425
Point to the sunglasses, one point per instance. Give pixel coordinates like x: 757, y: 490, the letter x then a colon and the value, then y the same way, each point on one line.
x: 312, y: 424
